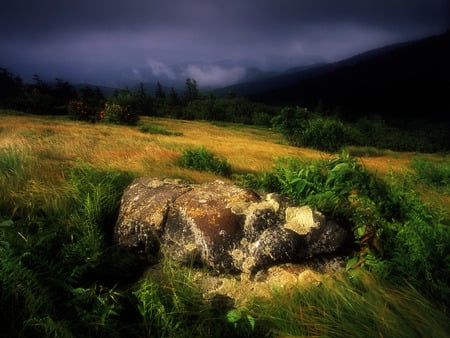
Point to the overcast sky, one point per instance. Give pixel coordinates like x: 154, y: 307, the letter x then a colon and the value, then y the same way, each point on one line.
x: 209, y: 40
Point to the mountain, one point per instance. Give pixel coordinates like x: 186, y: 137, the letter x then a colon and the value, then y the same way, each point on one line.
x: 397, y: 82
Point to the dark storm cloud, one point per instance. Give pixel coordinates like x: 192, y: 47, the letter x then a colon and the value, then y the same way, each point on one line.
x: 157, y: 34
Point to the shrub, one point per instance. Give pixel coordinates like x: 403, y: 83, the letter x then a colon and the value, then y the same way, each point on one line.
x: 77, y: 110
x: 115, y: 113
x: 204, y: 160
x: 325, y: 134
x: 303, y: 128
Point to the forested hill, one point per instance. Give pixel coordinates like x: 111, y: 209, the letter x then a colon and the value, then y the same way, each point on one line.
x: 397, y: 82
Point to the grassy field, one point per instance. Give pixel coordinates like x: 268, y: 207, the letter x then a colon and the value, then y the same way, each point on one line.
x: 60, y: 185
x: 60, y: 141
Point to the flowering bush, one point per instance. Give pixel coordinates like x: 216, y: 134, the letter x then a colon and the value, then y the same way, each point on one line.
x: 79, y: 110
x: 112, y: 113
x: 115, y: 113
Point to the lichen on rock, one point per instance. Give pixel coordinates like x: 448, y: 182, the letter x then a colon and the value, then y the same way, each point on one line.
x: 222, y: 226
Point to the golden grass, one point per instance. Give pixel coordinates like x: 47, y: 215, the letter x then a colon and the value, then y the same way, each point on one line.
x: 59, y: 142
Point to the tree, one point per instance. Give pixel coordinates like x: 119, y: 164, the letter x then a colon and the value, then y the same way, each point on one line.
x: 159, y: 93
x: 173, y: 99
x: 191, y: 91
x: 11, y: 88
x: 64, y: 91
x: 144, y: 102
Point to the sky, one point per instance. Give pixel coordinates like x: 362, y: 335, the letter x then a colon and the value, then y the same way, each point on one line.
x: 110, y: 42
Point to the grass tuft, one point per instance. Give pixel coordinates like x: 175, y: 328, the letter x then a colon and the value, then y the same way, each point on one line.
x: 205, y: 160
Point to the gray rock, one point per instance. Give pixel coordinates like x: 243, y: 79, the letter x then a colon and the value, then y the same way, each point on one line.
x: 221, y: 226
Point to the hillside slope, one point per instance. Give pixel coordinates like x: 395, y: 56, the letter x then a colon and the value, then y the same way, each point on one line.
x: 398, y: 82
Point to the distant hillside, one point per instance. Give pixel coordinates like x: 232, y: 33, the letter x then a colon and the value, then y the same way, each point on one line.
x: 397, y: 82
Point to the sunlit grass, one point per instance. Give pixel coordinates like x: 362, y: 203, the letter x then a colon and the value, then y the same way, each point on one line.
x: 247, y: 149
x: 344, y: 306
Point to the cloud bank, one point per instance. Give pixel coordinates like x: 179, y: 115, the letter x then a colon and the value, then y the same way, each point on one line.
x: 161, y: 35
x: 214, y: 76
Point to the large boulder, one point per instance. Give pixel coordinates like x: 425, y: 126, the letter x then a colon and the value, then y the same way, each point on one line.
x: 221, y: 226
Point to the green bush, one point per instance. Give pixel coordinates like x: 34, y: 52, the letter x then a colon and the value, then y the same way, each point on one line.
x: 303, y: 128
x: 325, y: 134
x: 204, y: 160
x: 117, y: 114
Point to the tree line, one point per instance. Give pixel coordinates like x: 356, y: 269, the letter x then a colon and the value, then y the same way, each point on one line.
x: 87, y: 102
x: 301, y: 127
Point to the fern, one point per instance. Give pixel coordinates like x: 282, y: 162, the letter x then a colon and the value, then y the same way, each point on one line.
x: 22, y: 295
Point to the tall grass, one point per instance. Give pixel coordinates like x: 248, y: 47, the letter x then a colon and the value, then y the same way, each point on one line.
x: 26, y: 196
x: 172, y: 304
x: 434, y: 174
x: 358, y: 306
x: 54, y: 251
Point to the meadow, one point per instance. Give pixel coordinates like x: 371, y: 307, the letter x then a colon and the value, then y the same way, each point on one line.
x: 61, y: 276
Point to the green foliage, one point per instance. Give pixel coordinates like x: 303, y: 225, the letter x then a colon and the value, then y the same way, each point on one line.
x: 365, y: 151
x: 241, y: 320
x: 52, y: 263
x: 136, y: 101
x: 117, y: 114
x: 434, y: 174
x: 395, y: 233
x: 204, y: 160
x: 172, y: 304
x: 155, y: 129
x: 171, y: 307
x: 306, y: 129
